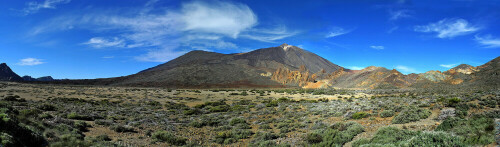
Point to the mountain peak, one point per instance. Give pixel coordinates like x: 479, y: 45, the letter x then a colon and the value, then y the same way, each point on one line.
x: 6, y: 74
x: 285, y: 46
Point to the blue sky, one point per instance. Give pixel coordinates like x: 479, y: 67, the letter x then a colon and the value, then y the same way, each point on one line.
x: 98, y: 39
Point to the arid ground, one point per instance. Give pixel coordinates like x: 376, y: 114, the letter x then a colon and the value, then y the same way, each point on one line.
x: 124, y: 116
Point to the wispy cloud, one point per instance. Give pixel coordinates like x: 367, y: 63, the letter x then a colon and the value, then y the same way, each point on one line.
x: 108, y: 57
x: 355, y: 67
x: 195, y: 25
x: 448, y: 65
x: 33, y: 7
x: 269, y: 35
x: 99, y: 42
x: 448, y: 28
x: 406, y: 69
x: 337, y: 31
x: 377, y: 47
x: 30, y: 62
x: 488, y: 41
x: 399, y: 14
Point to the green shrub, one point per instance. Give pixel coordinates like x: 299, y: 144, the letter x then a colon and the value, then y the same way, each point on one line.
x: 391, y: 136
x: 387, y: 113
x: 336, y: 135
x: 283, y: 100
x: 434, y: 139
x: 175, y: 106
x: 74, y: 115
x: 313, y: 138
x: 273, y: 103
x: 476, y: 130
x: 360, y: 142
x: 192, y: 111
x: 265, y: 126
x: 67, y: 140
x: 81, y: 125
x: 196, y: 124
x: 244, y: 93
x: 220, y: 108
x: 453, y: 101
x: 4, y: 117
x: 235, y: 121
x: 360, y: 115
x: 411, y: 114
x: 164, y: 136
x: 228, y: 137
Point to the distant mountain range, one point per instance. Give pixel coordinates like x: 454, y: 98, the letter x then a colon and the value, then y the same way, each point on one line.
x: 288, y: 66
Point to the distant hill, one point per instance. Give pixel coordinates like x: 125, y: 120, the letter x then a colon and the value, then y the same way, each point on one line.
x: 44, y: 79
x: 6, y: 74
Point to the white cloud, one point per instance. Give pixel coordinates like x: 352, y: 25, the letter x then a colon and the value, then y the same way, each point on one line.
x: 168, y: 32
x: 33, y: 7
x: 355, y: 67
x: 406, y: 69
x: 337, y: 31
x: 217, y: 17
x: 269, y: 35
x: 99, y: 42
x: 395, y: 15
x: 377, y: 47
x: 108, y: 57
x: 448, y: 65
x: 448, y: 28
x: 30, y: 62
x: 488, y: 41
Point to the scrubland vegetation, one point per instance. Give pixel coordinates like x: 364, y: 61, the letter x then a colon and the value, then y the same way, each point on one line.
x: 42, y: 116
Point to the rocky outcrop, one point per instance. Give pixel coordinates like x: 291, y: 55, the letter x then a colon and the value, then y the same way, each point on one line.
x: 286, y: 76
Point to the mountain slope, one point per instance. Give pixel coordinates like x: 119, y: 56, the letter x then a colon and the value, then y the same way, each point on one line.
x: 209, y: 69
x: 6, y: 74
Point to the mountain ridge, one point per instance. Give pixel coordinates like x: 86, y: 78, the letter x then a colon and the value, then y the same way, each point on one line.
x: 289, y: 66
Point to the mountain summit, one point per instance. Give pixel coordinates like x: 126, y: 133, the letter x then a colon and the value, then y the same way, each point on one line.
x: 251, y: 69
x: 6, y: 74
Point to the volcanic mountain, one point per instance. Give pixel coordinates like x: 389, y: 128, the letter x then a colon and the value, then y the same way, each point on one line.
x: 6, y: 74
x: 288, y: 66
x: 267, y: 67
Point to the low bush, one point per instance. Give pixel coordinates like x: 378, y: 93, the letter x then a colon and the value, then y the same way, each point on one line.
x: 336, y: 135
x: 229, y: 137
x: 360, y: 115
x: 411, y: 114
x: 386, y: 113
x: 476, y: 131
x: 164, y: 136
x: 74, y: 115
x: 235, y: 121
x: 391, y: 136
